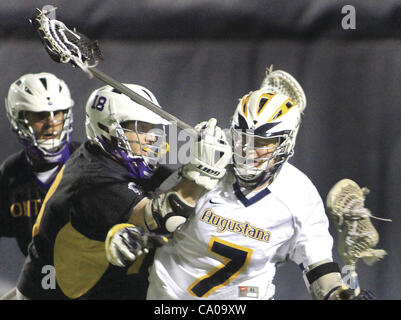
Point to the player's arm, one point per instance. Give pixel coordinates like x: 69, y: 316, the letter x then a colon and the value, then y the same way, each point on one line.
x: 169, y: 210
x: 324, y: 282
x: 153, y: 218
x: 150, y: 222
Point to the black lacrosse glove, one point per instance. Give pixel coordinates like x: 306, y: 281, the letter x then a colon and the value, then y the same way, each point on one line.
x: 349, y: 294
x: 126, y: 242
x: 365, y: 295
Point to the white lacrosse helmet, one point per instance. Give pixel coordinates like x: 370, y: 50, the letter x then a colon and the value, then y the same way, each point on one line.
x: 40, y: 92
x: 261, y: 117
x: 107, y: 109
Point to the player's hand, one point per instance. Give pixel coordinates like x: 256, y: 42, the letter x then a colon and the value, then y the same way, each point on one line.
x: 349, y: 294
x: 365, y: 295
x: 126, y: 242
x: 209, y: 156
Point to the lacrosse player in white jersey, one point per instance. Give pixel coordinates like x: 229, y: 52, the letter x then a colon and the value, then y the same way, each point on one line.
x: 262, y: 212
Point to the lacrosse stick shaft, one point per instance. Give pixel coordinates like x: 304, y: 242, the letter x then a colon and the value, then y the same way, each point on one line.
x: 354, y: 281
x: 141, y: 100
x: 351, y: 278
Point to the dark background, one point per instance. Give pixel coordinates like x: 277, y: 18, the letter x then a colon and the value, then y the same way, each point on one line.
x: 199, y: 57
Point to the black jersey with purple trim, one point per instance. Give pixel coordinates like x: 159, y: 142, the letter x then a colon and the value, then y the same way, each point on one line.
x: 67, y: 258
x: 21, y: 197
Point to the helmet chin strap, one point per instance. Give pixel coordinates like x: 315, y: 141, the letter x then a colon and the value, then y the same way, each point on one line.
x: 254, y: 183
x: 265, y: 177
x: 49, y: 144
x: 41, y: 161
x: 140, y: 170
x: 44, y: 154
x: 137, y: 167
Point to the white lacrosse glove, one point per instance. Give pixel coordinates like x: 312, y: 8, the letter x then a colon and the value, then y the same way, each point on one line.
x: 126, y: 242
x: 209, y: 156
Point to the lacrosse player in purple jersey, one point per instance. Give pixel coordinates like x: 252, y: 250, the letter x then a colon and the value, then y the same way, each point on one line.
x: 39, y: 108
x: 109, y: 190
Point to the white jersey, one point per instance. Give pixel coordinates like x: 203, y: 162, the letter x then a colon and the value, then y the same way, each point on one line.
x: 230, y: 248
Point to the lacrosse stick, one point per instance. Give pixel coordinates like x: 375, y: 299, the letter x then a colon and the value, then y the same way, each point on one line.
x: 286, y: 84
x: 67, y: 46
x: 356, y: 234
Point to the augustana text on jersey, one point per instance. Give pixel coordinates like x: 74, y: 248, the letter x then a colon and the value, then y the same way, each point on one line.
x: 223, y: 224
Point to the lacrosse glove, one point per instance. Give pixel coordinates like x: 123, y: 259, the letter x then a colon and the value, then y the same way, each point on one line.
x: 365, y: 295
x: 166, y: 213
x: 345, y: 293
x: 209, y: 156
x: 126, y: 242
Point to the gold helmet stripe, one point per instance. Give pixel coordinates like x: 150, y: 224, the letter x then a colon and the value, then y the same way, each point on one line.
x: 268, y: 97
x: 245, y: 101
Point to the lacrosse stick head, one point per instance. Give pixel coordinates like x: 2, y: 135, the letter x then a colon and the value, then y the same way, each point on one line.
x: 284, y: 83
x: 64, y: 45
x: 357, y: 235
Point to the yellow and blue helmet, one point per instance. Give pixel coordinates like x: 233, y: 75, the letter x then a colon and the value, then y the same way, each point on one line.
x: 264, y: 129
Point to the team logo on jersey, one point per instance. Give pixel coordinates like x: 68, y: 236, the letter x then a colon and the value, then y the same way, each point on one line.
x: 223, y: 224
x: 25, y: 208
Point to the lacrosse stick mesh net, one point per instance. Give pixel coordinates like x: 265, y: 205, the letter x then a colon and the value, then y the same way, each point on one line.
x: 285, y: 84
x: 64, y: 45
x: 356, y: 234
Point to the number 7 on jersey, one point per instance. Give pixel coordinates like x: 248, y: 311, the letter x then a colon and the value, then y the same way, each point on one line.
x: 236, y: 259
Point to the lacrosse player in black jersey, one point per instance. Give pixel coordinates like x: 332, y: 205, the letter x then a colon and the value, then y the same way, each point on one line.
x: 106, y: 186
x: 39, y: 108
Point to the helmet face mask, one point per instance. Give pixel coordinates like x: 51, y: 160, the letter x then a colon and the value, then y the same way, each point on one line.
x: 129, y: 132
x: 143, y: 140
x: 39, y: 110
x: 264, y: 129
x: 252, y: 153
x: 48, y: 128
